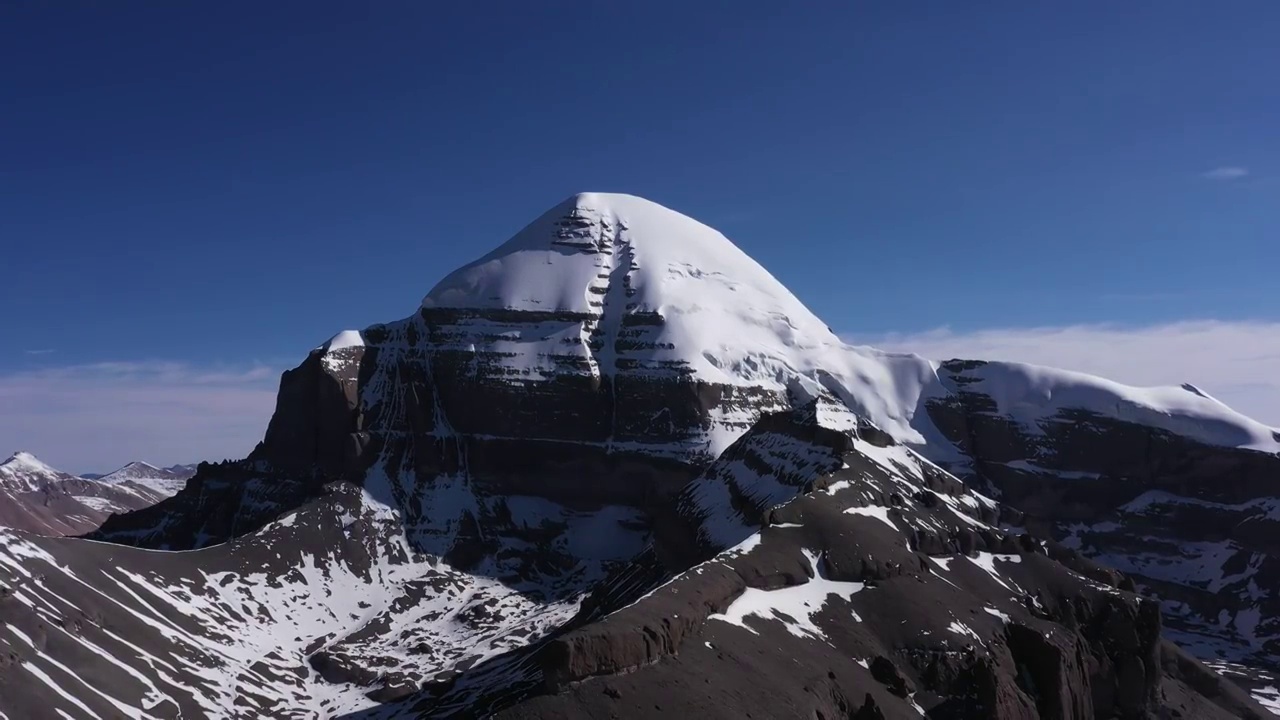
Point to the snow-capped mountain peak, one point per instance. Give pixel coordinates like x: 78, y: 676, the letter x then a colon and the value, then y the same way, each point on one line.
x: 342, y: 341
x: 136, y: 468
x: 23, y: 472
x: 165, y: 482
x: 22, y: 460
x: 612, y: 284
x: 667, y: 260
x: 618, y: 285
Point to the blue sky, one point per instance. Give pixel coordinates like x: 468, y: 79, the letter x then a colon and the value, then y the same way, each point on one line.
x: 198, y: 195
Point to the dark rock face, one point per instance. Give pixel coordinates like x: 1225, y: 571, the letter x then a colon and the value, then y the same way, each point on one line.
x: 633, y: 440
x: 1191, y: 523
x: 893, y: 638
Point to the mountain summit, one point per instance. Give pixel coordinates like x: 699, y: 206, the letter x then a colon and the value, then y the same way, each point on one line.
x: 614, y: 468
x: 163, y: 481
x: 23, y: 472
x: 623, y: 286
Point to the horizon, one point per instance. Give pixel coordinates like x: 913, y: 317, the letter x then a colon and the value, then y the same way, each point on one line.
x: 205, y: 194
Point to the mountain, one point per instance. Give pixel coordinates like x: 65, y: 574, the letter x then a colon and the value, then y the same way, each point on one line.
x: 36, y: 498
x: 163, y: 481
x: 614, y: 468
x: 182, y: 470
x: 1167, y: 485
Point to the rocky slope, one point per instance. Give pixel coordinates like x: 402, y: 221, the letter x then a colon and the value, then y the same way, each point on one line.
x: 612, y: 462
x: 37, y: 498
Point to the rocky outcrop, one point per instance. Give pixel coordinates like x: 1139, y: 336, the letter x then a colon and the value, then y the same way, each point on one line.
x: 1027, y: 639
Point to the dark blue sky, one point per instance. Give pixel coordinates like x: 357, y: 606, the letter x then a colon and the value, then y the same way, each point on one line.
x: 229, y: 182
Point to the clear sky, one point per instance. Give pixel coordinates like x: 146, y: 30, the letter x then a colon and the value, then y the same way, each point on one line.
x: 194, y: 195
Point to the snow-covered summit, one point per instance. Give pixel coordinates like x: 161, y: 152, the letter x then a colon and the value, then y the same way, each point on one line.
x: 654, y: 290
x: 25, y: 461
x: 165, y: 482
x: 630, y: 286
x: 670, y: 261
x: 341, y: 341
x: 135, y: 469
x: 23, y: 472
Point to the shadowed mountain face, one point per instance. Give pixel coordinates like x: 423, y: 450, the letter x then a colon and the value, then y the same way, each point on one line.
x: 611, y: 469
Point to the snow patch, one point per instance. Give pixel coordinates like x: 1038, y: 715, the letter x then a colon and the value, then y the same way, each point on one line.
x: 878, y: 512
x: 794, y: 606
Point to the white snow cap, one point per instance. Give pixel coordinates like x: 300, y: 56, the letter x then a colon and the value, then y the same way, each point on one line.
x: 23, y: 471
x: 676, y: 261
x: 343, y: 340
x: 26, y: 462
x: 135, y: 469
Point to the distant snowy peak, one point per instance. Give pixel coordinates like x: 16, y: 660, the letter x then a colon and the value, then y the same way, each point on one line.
x: 37, y: 498
x: 165, y: 481
x: 24, y: 472
x: 25, y: 462
x: 134, y: 470
x: 184, y: 470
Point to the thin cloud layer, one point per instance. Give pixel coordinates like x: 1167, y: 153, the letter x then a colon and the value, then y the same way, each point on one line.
x: 1236, y: 362
x: 1226, y: 173
x: 98, y: 417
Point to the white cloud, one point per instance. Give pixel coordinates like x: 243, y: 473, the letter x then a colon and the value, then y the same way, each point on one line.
x: 1229, y: 172
x: 97, y: 417
x: 44, y: 351
x: 1236, y: 362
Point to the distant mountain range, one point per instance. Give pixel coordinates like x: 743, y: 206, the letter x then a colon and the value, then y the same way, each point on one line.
x: 166, y: 481
x: 184, y: 471
x: 38, y: 498
x: 614, y: 468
